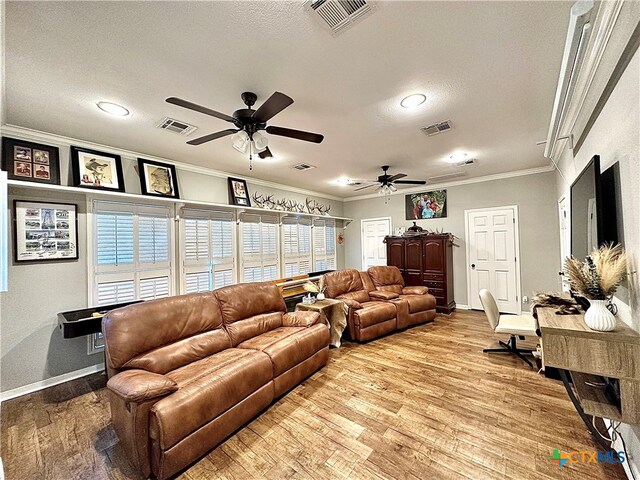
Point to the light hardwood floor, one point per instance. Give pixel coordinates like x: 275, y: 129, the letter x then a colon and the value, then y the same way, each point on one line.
x: 425, y: 403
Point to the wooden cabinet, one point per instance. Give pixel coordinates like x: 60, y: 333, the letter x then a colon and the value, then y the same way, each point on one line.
x: 425, y: 260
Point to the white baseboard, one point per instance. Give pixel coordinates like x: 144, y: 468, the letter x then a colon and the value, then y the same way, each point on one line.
x: 50, y: 382
x: 462, y: 306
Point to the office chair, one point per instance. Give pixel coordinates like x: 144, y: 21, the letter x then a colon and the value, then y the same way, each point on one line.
x: 514, y: 325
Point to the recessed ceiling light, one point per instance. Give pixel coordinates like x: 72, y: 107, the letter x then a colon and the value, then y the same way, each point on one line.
x: 343, y: 181
x: 457, y: 157
x: 413, y: 100
x: 113, y: 109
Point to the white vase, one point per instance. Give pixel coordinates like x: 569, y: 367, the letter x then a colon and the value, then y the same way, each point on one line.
x: 320, y: 296
x: 598, y: 317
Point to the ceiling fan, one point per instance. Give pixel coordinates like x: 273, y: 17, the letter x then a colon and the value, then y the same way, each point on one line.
x: 249, y: 122
x: 386, y: 183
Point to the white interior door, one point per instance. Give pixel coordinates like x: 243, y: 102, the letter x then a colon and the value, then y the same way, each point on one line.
x: 565, y: 237
x: 492, y: 251
x: 374, y: 250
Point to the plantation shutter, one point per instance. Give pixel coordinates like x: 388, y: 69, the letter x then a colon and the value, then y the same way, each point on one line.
x: 296, y: 246
x: 114, y: 238
x: 324, y: 244
x: 259, y: 248
x: 209, y: 258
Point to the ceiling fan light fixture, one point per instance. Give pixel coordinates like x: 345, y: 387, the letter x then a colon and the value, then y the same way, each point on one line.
x: 413, y: 100
x: 386, y: 190
x: 240, y: 141
x: 260, y: 142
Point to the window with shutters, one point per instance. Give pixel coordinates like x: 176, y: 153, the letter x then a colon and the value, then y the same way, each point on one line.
x: 131, y: 255
x: 259, y: 248
x: 324, y: 244
x: 208, y: 246
x: 296, y: 246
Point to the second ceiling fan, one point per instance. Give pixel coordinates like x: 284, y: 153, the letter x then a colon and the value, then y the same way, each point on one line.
x: 249, y: 122
x: 386, y: 183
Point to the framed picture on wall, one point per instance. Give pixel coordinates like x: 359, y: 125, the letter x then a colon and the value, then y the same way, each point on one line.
x: 158, y: 179
x: 30, y: 161
x: 238, y: 192
x: 426, y: 205
x: 98, y: 170
x: 45, y: 231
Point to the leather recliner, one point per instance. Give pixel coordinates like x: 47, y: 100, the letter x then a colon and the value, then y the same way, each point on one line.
x: 369, y: 315
x: 188, y: 371
x: 415, y: 305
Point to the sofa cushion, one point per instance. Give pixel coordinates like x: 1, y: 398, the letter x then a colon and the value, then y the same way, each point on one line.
x: 137, y: 329
x: 374, y: 312
x: 386, y: 278
x: 420, y: 303
x: 245, y: 300
x: 289, y: 346
x: 345, y: 283
x: 206, y: 389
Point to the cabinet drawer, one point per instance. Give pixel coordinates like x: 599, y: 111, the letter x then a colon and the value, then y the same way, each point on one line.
x: 434, y: 284
x: 437, y: 292
x: 434, y: 276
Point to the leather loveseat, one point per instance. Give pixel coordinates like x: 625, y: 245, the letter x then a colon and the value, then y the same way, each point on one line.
x: 187, y: 371
x: 415, y: 305
x: 376, y: 311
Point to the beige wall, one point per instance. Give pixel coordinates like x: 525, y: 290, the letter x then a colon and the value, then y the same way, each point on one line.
x: 32, y: 348
x: 535, y: 196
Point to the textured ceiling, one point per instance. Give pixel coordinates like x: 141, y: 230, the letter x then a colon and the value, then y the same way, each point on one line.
x: 489, y: 67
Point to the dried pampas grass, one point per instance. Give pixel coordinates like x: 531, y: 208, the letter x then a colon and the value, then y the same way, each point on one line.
x: 598, y: 276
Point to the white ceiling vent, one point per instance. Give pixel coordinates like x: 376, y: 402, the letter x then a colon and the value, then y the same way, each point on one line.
x: 303, y: 166
x: 447, y: 176
x: 339, y: 15
x: 176, y: 126
x: 436, y: 128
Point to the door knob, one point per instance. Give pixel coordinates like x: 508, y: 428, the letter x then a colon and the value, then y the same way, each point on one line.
x: 473, y: 265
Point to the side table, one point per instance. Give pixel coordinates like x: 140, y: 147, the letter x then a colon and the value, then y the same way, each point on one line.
x: 332, y: 313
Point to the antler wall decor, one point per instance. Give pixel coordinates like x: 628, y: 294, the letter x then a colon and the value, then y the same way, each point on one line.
x: 288, y: 205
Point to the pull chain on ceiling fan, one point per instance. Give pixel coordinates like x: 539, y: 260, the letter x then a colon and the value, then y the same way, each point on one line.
x: 249, y: 123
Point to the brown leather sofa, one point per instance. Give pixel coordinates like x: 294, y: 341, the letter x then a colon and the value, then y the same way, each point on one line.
x: 187, y: 371
x: 376, y: 311
x: 415, y: 304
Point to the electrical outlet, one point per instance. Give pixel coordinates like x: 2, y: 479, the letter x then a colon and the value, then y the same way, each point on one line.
x: 525, y: 299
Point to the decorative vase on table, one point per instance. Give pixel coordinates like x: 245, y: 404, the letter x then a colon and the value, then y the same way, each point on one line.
x: 320, y: 296
x: 598, y: 317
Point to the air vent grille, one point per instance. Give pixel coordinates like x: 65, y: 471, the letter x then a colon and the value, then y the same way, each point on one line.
x: 339, y: 15
x: 436, y: 128
x: 447, y: 176
x: 303, y: 166
x: 464, y: 163
x: 177, y: 126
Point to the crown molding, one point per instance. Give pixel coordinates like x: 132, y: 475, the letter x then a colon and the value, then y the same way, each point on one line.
x: 61, y: 140
x: 468, y: 181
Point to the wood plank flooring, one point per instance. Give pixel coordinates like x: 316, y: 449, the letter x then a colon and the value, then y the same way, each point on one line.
x: 425, y: 403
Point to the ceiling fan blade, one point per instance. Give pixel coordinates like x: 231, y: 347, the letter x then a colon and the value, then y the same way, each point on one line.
x: 273, y: 106
x: 396, y: 177
x: 199, y: 108
x: 266, y: 153
x: 410, y: 182
x: 366, y: 186
x: 212, y: 136
x: 298, y: 134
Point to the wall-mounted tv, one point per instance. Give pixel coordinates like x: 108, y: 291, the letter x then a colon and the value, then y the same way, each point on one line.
x: 594, y: 208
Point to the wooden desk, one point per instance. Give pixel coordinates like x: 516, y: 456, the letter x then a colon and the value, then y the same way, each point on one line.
x: 568, y: 344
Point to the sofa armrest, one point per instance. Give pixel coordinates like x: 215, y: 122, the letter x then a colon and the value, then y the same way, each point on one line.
x: 352, y: 304
x: 383, y: 295
x: 417, y: 290
x: 300, y: 319
x: 139, y: 385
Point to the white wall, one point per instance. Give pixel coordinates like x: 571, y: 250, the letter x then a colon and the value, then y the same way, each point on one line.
x: 32, y: 348
x: 615, y: 136
x: 539, y: 229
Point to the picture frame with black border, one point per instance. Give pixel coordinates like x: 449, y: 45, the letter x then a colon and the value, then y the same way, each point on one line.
x: 96, y: 170
x: 31, y: 162
x: 158, y: 179
x: 238, y: 192
x: 44, y: 231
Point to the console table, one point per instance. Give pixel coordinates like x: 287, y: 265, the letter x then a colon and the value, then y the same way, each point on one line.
x: 332, y: 313
x: 590, y: 357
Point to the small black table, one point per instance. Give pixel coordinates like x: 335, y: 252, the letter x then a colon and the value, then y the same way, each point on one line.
x: 76, y: 323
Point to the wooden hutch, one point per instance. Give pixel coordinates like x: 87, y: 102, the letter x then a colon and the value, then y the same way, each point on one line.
x: 425, y: 259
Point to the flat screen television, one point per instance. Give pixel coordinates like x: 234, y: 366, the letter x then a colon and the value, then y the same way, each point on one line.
x: 593, y: 208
